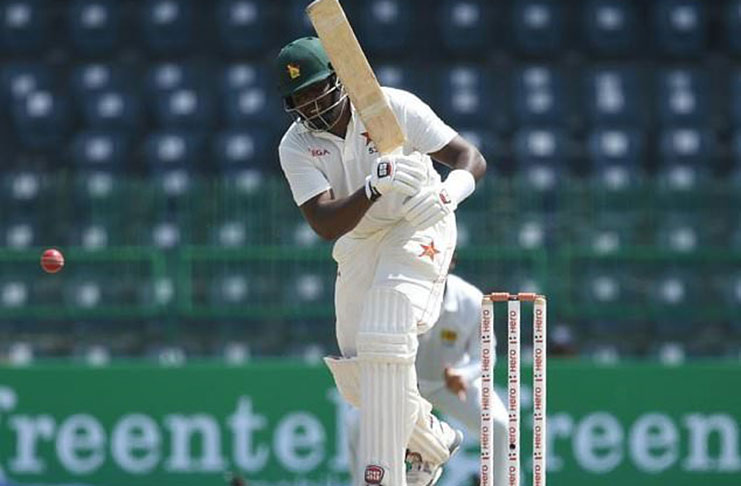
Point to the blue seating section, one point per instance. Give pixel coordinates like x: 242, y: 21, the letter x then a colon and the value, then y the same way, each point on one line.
x: 611, y: 26
x: 178, y: 97
x: 632, y: 69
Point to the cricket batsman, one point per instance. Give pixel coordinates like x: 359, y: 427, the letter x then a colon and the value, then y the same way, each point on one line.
x: 394, y: 224
x: 449, y: 372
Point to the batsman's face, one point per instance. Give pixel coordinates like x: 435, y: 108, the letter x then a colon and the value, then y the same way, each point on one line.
x: 320, y: 105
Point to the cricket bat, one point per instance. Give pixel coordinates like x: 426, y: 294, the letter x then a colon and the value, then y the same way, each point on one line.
x: 353, y: 69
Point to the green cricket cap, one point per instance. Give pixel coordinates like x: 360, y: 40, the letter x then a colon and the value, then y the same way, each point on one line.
x: 301, y: 63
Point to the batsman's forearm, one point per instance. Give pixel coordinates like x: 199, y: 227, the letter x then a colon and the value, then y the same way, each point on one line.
x: 336, y: 217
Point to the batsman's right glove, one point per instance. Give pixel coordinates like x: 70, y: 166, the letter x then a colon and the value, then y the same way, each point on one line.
x: 401, y: 173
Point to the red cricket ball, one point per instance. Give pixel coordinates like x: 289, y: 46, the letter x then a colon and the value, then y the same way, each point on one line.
x: 52, y: 260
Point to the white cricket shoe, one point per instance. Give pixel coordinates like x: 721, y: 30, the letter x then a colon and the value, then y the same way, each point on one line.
x: 421, y: 472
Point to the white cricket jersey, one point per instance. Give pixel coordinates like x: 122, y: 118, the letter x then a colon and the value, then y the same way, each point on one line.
x: 454, y: 339
x: 314, y: 162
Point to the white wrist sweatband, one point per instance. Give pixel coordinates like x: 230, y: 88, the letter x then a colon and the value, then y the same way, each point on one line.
x: 459, y: 185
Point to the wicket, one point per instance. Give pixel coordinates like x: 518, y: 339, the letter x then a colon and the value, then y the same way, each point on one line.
x: 513, y: 386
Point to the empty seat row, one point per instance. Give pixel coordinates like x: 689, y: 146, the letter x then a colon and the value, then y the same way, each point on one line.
x: 466, y: 97
x: 540, y: 27
x: 153, y: 220
x: 544, y: 93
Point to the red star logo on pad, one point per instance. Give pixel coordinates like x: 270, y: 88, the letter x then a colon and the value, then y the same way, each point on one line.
x: 429, y: 250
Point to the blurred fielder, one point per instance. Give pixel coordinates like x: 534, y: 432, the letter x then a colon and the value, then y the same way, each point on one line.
x: 394, y: 223
x: 449, y: 371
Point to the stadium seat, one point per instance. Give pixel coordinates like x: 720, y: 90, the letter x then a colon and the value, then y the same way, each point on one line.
x: 683, y: 96
x: 680, y: 233
x: 614, y: 95
x: 611, y: 26
x: 732, y: 16
x: 184, y: 109
x: 41, y: 120
x: 686, y: 157
x: 172, y: 149
x: 242, y: 149
x: 168, y: 25
x: 312, y: 287
x: 252, y: 105
x: 736, y: 153
x: 231, y: 288
x: 296, y: 231
x: 19, y: 79
x: 526, y: 231
x: 298, y: 23
x: 465, y: 96
x: 735, y: 98
x: 539, y: 95
x: 488, y: 144
x: 16, y: 292
x: 680, y: 27
x: 112, y: 109
x: 687, y: 145
x: 399, y: 75
x: 465, y: 26
x: 173, y: 183
x: 94, y: 25
x: 731, y: 289
x: 169, y: 76
x: 615, y: 158
x: 243, y: 25
x: 673, y: 293
x: 99, y: 150
x: 386, y: 26
x: 20, y: 233
x: 538, y: 26
x: 22, y: 187
x: 243, y: 185
x: 96, y: 185
x: 87, y: 291
x: 673, y: 289
x: 603, y: 287
x: 540, y: 157
x: 731, y: 286
x: 230, y: 233
x: 240, y: 75
x: 165, y: 234
x: 89, y: 78
x: 611, y: 234
x: 23, y: 26
x: 93, y: 235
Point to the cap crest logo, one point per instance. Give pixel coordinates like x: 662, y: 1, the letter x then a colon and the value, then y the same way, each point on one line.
x: 294, y: 71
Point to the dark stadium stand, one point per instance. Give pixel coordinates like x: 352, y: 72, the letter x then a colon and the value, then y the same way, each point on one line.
x: 140, y: 137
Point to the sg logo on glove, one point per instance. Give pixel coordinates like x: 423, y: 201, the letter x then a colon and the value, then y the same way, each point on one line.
x: 384, y: 169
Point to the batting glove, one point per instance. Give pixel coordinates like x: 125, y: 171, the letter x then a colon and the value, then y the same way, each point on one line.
x: 404, y: 174
x: 433, y: 203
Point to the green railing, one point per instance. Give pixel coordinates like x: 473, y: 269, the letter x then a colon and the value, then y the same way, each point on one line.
x: 278, y: 251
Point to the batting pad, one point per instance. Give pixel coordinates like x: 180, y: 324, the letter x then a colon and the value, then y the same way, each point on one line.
x: 387, y: 346
x: 425, y: 438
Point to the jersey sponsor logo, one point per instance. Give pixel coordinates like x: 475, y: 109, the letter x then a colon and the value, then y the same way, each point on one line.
x: 318, y: 152
x: 373, y: 474
x: 429, y: 250
x: 448, y: 336
x: 369, y: 143
x: 294, y: 71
